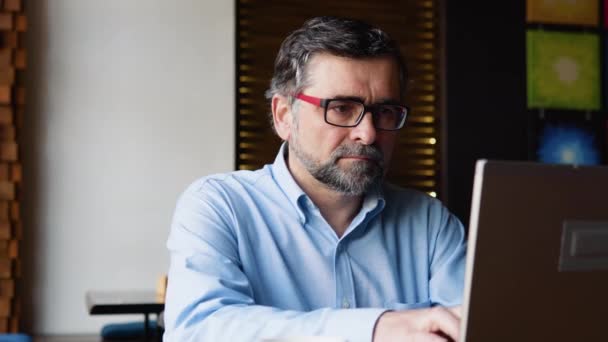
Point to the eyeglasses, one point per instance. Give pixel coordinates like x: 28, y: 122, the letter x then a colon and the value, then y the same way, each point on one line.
x: 349, y: 113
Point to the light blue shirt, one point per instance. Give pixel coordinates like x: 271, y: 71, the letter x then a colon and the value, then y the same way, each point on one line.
x: 252, y: 258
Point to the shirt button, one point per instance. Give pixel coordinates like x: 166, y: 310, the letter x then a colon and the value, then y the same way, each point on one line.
x: 345, y: 304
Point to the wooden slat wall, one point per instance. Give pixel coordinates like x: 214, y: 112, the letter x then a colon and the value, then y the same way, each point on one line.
x: 263, y: 24
x: 13, y: 25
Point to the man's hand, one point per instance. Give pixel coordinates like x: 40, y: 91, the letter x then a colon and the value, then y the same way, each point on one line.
x: 456, y: 310
x: 435, y: 324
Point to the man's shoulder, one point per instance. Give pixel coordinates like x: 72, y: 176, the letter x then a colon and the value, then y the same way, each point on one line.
x: 240, y: 181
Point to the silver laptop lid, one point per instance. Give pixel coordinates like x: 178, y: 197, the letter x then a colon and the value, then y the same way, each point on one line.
x: 537, y: 263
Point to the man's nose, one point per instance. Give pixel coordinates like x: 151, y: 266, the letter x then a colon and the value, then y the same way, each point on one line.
x: 365, y: 131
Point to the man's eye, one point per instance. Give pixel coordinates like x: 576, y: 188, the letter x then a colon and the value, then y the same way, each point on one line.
x: 344, y: 108
x: 387, y: 110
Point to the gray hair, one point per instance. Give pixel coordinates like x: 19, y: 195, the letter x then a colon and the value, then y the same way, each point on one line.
x: 340, y: 37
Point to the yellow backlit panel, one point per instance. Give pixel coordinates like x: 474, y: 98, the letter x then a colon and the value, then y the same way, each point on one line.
x: 423, y: 162
x: 251, y: 123
x: 419, y: 130
x: 246, y: 79
x: 422, y: 119
x: 428, y: 25
x: 425, y: 87
x: 423, y: 109
x: 248, y: 134
x: 249, y: 167
x: 427, y: 67
x: 424, y: 184
x: 422, y: 141
x: 425, y: 4
x: 424, y: 46
x: 423, y: 151
x: 425, y: 35
x: 428, y: 15
x: 425, y: 56
x: 581, y: 12
x: 426, y: 98
x: 426, y: 173
x: 247, y: 156
x: 246, y: 112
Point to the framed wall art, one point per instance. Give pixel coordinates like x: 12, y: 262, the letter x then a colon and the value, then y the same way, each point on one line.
x: 563, y: 70
x: 567, y: 12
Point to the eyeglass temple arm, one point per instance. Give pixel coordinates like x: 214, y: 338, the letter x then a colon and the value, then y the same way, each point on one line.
x: 310, y: 99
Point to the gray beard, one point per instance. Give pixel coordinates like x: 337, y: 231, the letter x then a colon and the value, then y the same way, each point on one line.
x: 356, y: 180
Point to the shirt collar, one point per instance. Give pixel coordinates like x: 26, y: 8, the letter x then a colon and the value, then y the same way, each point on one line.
x: 373, y: 201
x: 285, y: 180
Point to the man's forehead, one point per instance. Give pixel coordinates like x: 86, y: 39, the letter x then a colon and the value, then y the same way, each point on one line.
x: 324, y: 69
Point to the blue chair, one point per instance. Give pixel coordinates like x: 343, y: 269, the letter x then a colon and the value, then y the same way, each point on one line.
x: 15, y: 338
x: 129, y: 330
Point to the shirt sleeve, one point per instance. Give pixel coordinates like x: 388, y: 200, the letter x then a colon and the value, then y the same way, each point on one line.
x: 209, y: 298
x: 448, y: 256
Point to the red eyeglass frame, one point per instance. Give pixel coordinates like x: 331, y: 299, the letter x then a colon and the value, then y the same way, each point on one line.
x: 323, y: 103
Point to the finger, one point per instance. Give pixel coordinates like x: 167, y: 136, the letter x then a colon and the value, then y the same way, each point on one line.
x: 456, y: 310
x: 446, y: 337
x: 445, y: 321
x: 425, y: 337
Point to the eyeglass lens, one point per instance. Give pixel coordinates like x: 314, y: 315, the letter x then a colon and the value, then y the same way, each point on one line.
x: 349, y: 113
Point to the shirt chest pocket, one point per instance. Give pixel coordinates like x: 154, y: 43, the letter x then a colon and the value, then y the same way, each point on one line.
x: 392, y: 305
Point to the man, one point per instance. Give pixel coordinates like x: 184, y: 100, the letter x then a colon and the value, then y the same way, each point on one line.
x: 317, y: 243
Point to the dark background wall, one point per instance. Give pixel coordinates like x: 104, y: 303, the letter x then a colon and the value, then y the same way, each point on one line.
x: 486, y: 91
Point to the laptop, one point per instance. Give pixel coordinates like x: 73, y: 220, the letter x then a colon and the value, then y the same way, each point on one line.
x: 537, y: 262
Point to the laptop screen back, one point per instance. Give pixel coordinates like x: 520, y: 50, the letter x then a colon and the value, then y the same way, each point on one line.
x: 537, y: 265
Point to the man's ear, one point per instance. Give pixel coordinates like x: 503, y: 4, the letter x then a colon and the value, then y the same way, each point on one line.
x: 282, y: 116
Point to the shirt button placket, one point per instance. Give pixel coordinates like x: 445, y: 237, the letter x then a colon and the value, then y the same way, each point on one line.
x: 338, y: 275
x: 343, y: 279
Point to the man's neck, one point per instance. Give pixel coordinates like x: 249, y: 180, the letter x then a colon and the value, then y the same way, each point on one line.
x: 336, y: 208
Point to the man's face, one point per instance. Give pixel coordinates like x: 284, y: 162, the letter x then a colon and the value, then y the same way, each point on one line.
x: 349, y: 160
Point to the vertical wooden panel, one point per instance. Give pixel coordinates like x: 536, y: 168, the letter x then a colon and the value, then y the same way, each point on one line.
x: 7, y: 133
x: 5, y: 94
x: 6, y: 115
x: 5, y: 230
x: 7, y: 190
x: 6, y: 269
x: 9, y: 38
x: 13, y: 61
x: 6, y: 21
x: 9, y: 151
x: 12, y: 5
x: 7, y: 288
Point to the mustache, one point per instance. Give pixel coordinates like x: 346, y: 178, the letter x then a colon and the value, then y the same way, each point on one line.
x: 369, y: 151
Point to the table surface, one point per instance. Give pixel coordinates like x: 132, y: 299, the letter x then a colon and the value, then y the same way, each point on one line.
x: 124, y: 302
x: 85, y: 338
